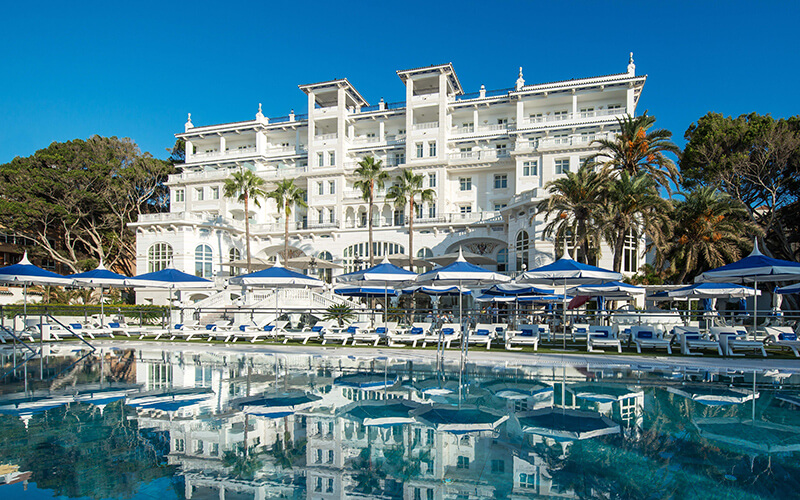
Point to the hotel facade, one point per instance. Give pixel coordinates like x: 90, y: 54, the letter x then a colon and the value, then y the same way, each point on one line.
x: 487, y: 155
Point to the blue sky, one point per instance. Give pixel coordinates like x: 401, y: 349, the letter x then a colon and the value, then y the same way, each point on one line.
x: 134, y: 69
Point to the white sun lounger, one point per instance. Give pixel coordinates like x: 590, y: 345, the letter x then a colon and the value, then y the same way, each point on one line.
x: 374, y: 335
x: 689, y: 337
x: 449, y: 333
x: 647, y: 337
x: 783, y: 337
x: 602, y: 336
x: 527, y: 335
x: 731, y: 339
x: 254, y: 333
x: 483, y: 334
x: 415, y: 334
x: 342, y: 335
x: 310, y: 333
x: 580, y: 331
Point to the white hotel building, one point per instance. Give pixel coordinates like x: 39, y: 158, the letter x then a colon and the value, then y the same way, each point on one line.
x: 487, y: 155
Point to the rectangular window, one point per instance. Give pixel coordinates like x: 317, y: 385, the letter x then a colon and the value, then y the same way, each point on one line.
x: 198, y: 194
x: 180, y: 195
x: 432, y: 180
x: 536, y: 117
x: 332, y: 216
x: 330, y: 456
x: 432, y: 210
x: 561, y: 115
x: 431, y: 149
x: 501, y: 149
x: 562, y: 165
x: 321, y: 217
x: 500, y: 181
x: 320, y: 159
x: 332, y: 157
x: 465, y: 183
x: 420, y: 149
x: 498, y: 466
x: 614, y: 107
x: 332, y: 187
x: 468, y: 128
x: 418, y: 211
x: 319, y: 456
x: 320, y: 188
x: 214, y: 193
x: 400, y: 158
x: 429, y: 437
x: 466, y: 209
x: 463, y: 462
x: 330, y: 486
x: 502, y: 121
x: 587, y: 112
x: 530, y: 168
x: 499, y: 206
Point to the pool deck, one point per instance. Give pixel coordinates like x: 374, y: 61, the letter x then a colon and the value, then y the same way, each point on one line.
x: 477, y: 355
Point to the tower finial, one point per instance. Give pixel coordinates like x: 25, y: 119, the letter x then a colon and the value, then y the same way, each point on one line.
x: 520, y: 80
x: 188, y: 124
x: 631, y: 65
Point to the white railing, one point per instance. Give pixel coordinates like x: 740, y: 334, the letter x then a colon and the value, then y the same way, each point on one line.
x: 246, y: 151
x: 480, y: 155
x: 561, y: 117
x: 325, y: 137
x: 295, y: 298
x: 283, y: 172
x: 366, y: 140
x: 463, y: 130
x: 424, y: 126
x: 493, y: 127
x: 219, y: 299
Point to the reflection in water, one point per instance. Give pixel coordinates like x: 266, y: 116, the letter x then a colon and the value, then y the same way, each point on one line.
x: 229, y: 425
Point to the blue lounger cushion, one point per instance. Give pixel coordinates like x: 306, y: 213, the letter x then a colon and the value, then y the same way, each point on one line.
x: 580, y: 330
x: 211, y: 327
x: 601, y: 334
x: 691, y: 337
x: 114, y: 324
x: 448, y: 331
x: 75, y: 326
x: 645, y: 335
x: 787, y: 336
x: 380, y: 330
x: 316, y: 328
x: 484, y: 332
x: 352, y: 329
x: 416, y: 331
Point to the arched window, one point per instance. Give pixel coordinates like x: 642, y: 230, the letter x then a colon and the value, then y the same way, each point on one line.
x: 630, y: 252
x: 502, y: 260
x: 159, y: 256
x: 423, y: 253
x: 356, y: 257
x: 523, y: 245
x: 233, y: 255
x: 325, y: 275
x: 203, y: 261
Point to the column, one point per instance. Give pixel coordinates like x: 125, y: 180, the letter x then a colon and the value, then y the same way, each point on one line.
x: 261, y: 142
x: 341, y: 111
x: 574, y: 104
x: 630, y: 106
x: 222, y: 144
x: 520, y: 112
x: 189, y: 148
x: 382, y: 130
x: 409, y: 119
x: 312, y: 153
x: 441, y: 143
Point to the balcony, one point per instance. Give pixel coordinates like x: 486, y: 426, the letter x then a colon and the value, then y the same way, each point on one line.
x: 550, y: 119
x: 425, y: 125
x: 230, y: 153
x: 491, y: 155
x: 325, y: 137
x: 578, y: 141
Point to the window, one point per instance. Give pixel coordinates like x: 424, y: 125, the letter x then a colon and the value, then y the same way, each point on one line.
x: 320, y: 188
x: 466, y: 209
x: 502, y: 260
x: 233, y: 255
x: 562, y: 165
x: 587, y: 112
x: 180, y: 445
x: 329, y: 489
x: 332, y: 216
x: 431, y: 149
x: 400, y: 158
x: 465, y: 183
x: 500, y: 181
x: 198, y: 194
x: 203, y: 261
x: 319, y: 456
x: 429, y: 437
x: 502, y: 121
x: 520, y: 405
x: 560, y: 115
x: 522, y: 247
x: 418, y: 210
x: 214, y: 449
x: 527, y: 480
x: 330, y: 456
x: 432, y: 180
x: 498, y: 466
x: 320, y: 160
x: 318, y: 485
x: 530, y: 168
x: 159, y: 256
x: 614, y: 108
x: 432, y: 210
x: 536, y: 117
x: 321, y: 216
x: 499, y: 206
x: 468, y: 127
x: 463, y: 462
x: 501, y: 149
x: 332, y: 158
x: 419, y: 150
x: 630, y: 252
x: 198, y: 447
x: 332, y: 187
x: 560, y: 139
x: 180, y: 196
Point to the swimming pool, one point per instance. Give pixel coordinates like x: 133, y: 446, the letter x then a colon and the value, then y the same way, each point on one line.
x: 202, y: 423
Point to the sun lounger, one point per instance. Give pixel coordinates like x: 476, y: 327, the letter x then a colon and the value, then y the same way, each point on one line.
x: 374, y: 335
x: 483, y: 334
x: 783, y: 337
x: 689, y: 337
x: 254, y: 333
x: 447, y: 333
x: 527, y: 335
x: 310, y: 333
x: 342, y: 335
x: 647, y: 337
x: 602, y: 336
x: 580, y: 331
x: 412, y: 335
x: 92, y: 332
x: 499, y: 330
x: 731, y: 339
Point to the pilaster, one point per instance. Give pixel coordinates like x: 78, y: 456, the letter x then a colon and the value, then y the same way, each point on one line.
x: 409, y: 119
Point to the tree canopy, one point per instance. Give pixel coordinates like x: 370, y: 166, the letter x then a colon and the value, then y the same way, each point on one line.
x: 76, y: 198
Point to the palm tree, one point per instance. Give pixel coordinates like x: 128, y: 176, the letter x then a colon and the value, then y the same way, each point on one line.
x: 711, y: 229
x: 637, y: 149
x: 407, y: 187
x: 574, y: 201
x: 633, y: 204
x: 245, y: 186
x: 371, y: 176
x: 287, y: 194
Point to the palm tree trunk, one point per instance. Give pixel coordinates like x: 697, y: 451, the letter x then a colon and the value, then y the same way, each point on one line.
x: 369, y: 225
x: 584, y: 241
x: 247, y: 231
x: 286, y: 231
x: 411, y: 234
x: 618, y: 250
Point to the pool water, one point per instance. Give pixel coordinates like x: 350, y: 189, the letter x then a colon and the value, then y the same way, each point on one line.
x: 153, y: 423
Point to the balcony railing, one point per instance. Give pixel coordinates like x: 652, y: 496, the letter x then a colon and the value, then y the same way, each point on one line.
x: 425, y: 125
x: 325, y: 137
x: 480, y: 155
x: 245, y: 151
x: 581, y: 115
